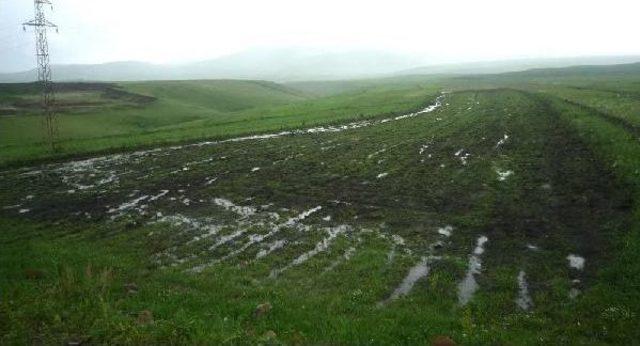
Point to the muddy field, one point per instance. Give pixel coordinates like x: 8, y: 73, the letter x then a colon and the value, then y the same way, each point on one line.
x: 484, y: 199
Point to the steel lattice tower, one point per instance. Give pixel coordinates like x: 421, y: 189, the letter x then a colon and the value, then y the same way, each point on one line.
x: 40, y: 25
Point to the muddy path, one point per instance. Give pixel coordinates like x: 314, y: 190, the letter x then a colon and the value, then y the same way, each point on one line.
x: 561, y: 204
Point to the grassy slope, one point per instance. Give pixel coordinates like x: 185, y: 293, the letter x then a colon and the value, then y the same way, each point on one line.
x: 330, y: 88
x: 218, y: 95
x: 552, y: 142
x: 114, y: 124
x: 195, y: 110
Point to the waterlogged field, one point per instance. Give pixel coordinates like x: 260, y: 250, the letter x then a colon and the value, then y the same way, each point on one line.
x: 490, y: 216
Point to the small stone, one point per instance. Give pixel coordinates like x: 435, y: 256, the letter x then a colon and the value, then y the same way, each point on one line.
x: 77, y: 340
x: 145, y: 317
x: 33, y: 274
x: 442, y: 340
x: 270, y: 334
x: 262, y: 310
x: 131, y: 288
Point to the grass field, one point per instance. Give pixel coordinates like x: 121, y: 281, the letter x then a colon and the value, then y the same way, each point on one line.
x: 505, y: 213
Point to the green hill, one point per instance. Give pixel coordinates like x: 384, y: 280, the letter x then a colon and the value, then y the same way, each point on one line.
x: 218, y: 95
x: 626, y: 70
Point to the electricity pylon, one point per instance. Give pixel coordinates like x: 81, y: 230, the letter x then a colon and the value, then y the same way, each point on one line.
x: 40, y: 25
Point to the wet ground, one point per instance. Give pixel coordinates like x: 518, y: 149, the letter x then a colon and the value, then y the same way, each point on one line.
x: 479, y: 185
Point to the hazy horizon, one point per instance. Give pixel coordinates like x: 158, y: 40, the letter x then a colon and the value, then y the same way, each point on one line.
x: 421, y: 61
x: 430, y: 33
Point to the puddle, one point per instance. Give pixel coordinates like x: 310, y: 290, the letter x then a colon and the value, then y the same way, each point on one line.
x: 253, y: 239
x: 502, y: 141
x: 398, y: 240
x: 417, y: 272
x: 227, y: 238
x: 524, y: 300
x: 321, y: 246
x: 209, y: 229
x: 576, y: 262
x: 158, y: 196
x: 128, y: 205
x: 382, y: 175
x: 469, y: 285
x: 391, y: 255
x: 292, y: 221
x: 349, y: 253
x: 574, y: 293
x: 244, y: 211
x: 464, y: 157
x: 445, y: 231
x: 278, y: 244
x: 503, y: 175
x: 274, y: 215
x: 345, y: 257
x: 210, y: 181
x: 377, y: 153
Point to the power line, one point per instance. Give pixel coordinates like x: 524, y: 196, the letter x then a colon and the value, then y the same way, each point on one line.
x: 40, y: 25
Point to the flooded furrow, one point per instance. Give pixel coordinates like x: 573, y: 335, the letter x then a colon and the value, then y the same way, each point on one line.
x: 523, y: 301
x: 469, y: 285
x: 321, y: 246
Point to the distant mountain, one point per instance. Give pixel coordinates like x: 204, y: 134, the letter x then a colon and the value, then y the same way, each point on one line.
x: 293, y: 64
x: 622, y: 70
x: 114, y: 71
x: 275, y: 65
x: 491, y: 67
x: 290, y: 65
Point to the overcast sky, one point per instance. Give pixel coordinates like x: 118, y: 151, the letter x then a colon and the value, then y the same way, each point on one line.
x: 93, y: 31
